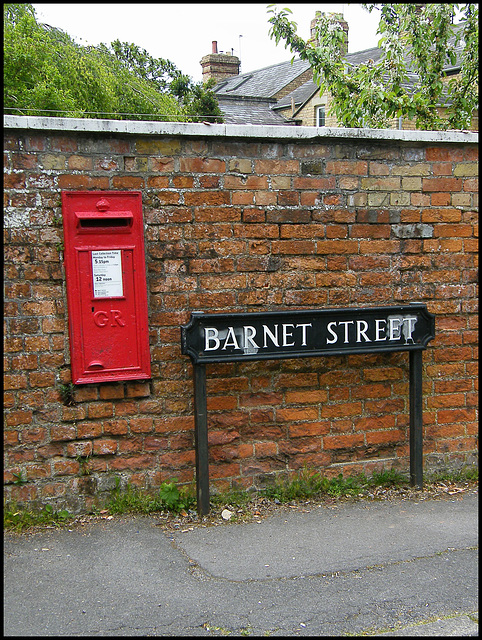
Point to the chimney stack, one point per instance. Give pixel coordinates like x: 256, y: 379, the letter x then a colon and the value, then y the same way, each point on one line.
x: 219, y: 66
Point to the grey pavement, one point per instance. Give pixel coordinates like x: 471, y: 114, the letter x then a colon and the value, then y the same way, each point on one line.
x: 384, y: 568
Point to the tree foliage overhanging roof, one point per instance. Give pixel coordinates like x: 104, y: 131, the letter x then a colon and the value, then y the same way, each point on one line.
x: 419, y: 44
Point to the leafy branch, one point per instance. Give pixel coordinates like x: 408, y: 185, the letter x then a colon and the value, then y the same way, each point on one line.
x: 407, y: 77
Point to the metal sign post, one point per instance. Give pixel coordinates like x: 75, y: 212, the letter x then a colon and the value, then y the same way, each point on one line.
x: 201, y: 439
x: 209, y: 338
x: 416, y: 419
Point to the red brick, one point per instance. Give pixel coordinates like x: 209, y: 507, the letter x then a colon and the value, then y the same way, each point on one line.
x: 314, y: 182
x: 370, y: 231
x: 347, y: 441
x: 306, y: 429
x: 183, y: 182
x: 153, y: 443
x: 333, y: 199
x: 302, y: 397
x: 444, y: 154
x: 130, y: 445
x: 71, y: 181
x: 79, y: 449
x: 53, y: 489
x: 115, y: 427
x: 341, y: 410
x: 252, y: 183
x: 350, y: 167
x: 163, y: 165
x: 293, y: 448
x: 203, y: 198
x: 177, y: 459
x: 382, y: 437
x: 265, y: 198
x: 35, y: 434
x: 265, y: 449
x: 312, y: 460
x: 451, y: 416
x: 276, y: 167
x: 453, y: 230
x: 111, y: 392
x: 11, y: 438
x: 42, y: 379
x: 65, y: 467
x: 37, y: 471
x: 137, y: 389
x: 88, y: 430
x: 14, y: 181
x: 291, y: 198
x: 24, y: 161
x: 201, y: 165
x: 162, y: 182
x: 141, y: 425
x: 442, y: 184
x: 174, y: 424
x: 224, y: 470
x: 379, y: 246
x: 16, y: 418
x: 131, y: 462
x: 128, y: 182
x: 218, y: 214
x: 337, y: 246
x: 63, y: 433
x: 242, y: 197
x: 209, y: 182
x: 104, y: 447
x: 374, y: 423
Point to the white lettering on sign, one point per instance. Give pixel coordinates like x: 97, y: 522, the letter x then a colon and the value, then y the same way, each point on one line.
x: 356, y: 330
x: 249, y: 339
x: 378, y: 331
x: 243, y: 338
x: 107, y: 274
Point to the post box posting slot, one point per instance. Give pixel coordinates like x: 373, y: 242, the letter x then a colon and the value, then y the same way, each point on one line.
x: 106, y: 285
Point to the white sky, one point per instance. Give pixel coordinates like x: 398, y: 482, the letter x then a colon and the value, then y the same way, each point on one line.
x: 183, y: 33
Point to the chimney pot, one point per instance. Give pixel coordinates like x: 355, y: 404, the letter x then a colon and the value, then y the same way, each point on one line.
x: 219, y: 66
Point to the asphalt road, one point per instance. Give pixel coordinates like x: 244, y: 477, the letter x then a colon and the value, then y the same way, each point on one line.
x: 399, y: 567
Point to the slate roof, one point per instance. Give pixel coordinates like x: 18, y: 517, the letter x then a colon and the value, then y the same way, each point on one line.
x: 249, y: 97
x: 300, y: 95
x: 241, y: 110
x: 262, y: 83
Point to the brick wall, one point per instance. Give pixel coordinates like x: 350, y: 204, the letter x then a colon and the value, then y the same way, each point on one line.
x: 240, y: 219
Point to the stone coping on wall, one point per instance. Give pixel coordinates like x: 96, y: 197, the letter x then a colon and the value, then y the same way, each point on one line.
x: 231, y: 130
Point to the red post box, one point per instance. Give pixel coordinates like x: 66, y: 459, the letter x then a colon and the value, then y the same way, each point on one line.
x: 106, y: 285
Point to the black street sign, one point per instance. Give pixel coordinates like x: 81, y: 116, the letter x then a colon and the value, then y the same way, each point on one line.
x: 230, y: 337
x: 294, y: 334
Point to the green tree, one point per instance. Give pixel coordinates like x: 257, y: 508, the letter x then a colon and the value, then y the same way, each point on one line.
x: 418, y: 41
x: 47, y: 73
x: 196, y: 99
x: 158, y: 71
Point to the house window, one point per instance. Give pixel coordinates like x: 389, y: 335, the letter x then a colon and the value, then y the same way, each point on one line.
x: 320, y: 116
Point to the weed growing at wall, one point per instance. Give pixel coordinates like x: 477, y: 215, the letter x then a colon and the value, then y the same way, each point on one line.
x: 309, y: 485
x: 169, y: 498
x: 19, y: 519
x: 66, y: 392
x: 305, y: 486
